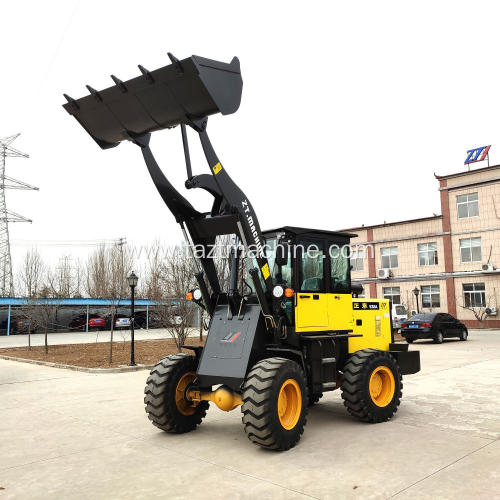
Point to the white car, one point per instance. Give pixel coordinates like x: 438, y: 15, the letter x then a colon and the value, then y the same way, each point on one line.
x: 122, y: 322
x: 399, y: 314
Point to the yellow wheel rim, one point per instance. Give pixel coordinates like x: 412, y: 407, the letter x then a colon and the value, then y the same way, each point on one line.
x: 382, y: 386
x: 183, y: 406
x: 289, y: 404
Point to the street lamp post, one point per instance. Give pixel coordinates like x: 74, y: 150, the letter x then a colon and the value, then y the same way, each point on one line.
x: 416, y: 291
x: 132, y: 282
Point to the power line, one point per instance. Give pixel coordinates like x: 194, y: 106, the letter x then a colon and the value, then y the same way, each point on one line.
x: 68, y: 243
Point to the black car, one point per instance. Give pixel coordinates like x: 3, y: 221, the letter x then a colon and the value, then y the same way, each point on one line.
x: 436, y: 326
x: 153, y: 320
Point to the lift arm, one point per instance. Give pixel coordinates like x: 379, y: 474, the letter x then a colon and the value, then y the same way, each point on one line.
x: 183, y: 93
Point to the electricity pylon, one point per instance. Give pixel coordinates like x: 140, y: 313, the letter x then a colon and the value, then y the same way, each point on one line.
x: 6, y: 216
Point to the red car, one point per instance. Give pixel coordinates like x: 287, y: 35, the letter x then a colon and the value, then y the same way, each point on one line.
x: 95, y: 322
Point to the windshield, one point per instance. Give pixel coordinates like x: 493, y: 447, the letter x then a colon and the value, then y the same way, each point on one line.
x: 281, y: 274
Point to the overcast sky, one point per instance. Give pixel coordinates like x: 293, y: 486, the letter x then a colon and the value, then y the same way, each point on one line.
x: 348, y: 109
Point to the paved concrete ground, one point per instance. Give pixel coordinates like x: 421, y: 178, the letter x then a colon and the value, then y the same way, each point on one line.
x: 67, y: 434
x: 86, y: 337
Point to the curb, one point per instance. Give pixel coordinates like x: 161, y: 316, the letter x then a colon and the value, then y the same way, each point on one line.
x: 120, y: 369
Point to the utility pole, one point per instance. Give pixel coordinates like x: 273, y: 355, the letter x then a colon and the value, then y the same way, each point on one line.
x: 6, y: 216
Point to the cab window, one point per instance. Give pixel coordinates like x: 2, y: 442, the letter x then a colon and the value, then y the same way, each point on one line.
x: 311, y: 267
x: 339, y: 269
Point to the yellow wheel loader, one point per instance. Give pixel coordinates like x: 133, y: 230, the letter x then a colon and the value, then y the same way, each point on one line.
x: 289, y: 326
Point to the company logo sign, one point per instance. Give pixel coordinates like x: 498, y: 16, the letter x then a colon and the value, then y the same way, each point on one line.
x: 478, y: 154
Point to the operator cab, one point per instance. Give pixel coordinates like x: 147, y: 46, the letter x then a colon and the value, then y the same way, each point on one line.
x: 316, y: 265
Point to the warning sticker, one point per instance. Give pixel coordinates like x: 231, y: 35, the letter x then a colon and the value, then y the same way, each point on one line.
x: 217, y: 168
x: 265, y: 271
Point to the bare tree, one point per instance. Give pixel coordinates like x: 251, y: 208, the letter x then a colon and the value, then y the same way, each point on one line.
x: 97, y: 273
x: 46, y: 312
x: 31, y: 274
x: 480, y: 312
x: 28, y: 314
x: 106, y: 277
x: 174, y: 310
x: 152, y: 283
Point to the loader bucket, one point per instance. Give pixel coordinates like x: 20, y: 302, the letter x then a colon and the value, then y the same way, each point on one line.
x: 178, y: 93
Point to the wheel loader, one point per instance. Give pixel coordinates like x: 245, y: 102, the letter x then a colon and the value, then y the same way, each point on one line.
x: 289, y: 326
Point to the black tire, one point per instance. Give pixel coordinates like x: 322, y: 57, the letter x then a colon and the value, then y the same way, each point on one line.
x: 356, y: 385
x: 438, y: 339
x: 409, y: 341
x: 313, y: 398
x: 260, y: 395
x: 160, y: 392
x: 463, y: 334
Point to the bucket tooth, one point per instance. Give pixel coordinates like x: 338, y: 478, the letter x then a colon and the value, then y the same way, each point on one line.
x: 175, y: 62
x: 71, y: 101
x: 119, y: 83
x: 146, y: 73
x: 94, y: 93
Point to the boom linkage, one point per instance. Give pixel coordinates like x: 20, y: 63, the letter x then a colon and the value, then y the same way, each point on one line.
x: 232, y: 213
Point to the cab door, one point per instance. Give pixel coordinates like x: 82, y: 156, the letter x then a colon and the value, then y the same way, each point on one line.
x: 340, y: 297
x: 311, y: 306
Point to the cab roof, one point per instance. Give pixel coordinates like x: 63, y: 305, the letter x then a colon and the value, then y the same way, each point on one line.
x: 299, y: 231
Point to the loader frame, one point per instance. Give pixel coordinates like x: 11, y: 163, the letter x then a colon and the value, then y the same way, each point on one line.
x: 256, y: 337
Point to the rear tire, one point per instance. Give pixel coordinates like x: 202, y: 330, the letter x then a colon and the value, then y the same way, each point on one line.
x: 410, y: 341
x: 438, y: 339
x: 463, y: 334
x: 164, y: 395
x: 275, y: 403
x: 372, y: 385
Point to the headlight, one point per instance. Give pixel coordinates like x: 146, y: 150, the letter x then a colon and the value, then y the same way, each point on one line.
x: 278, y: 291
x: 197, y: 294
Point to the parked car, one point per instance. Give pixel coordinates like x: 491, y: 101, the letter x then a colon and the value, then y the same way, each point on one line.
x: 20, y: 324
x: 121, y: 321
x: 436, y: 326
x: 79, y: 322
x: 399, y: 315
x: 153, y: 321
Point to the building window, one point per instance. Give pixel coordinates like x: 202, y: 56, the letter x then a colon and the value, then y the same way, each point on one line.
x: 427, y: 254
x: 470, y: 250
x: 357, y: 260
x: 389, y: 257
x: 467, y: 205
x: 393, y: 293
x: 474, y: 295
x: 431, y: 296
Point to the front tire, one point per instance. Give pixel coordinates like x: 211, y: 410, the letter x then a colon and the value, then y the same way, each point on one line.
x: 275, y: 403
x: 372, y: 385
x: 464, y: 334
x: 409, y: 341
x: 165, y: 401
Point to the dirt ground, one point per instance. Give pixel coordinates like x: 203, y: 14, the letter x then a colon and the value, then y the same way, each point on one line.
x: 96, y: 355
